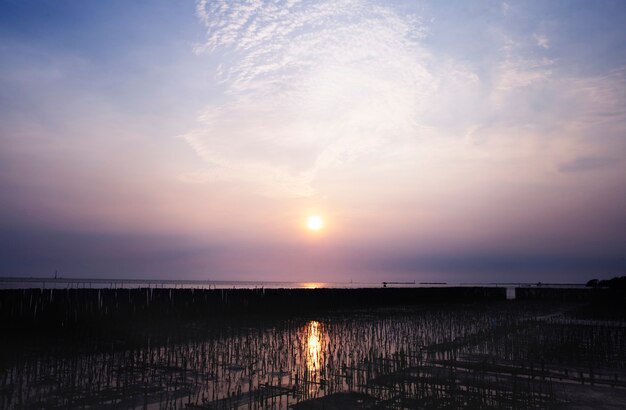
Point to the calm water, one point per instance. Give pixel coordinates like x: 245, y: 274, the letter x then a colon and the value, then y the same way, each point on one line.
x: 63, y: 283
x: 495, y: 355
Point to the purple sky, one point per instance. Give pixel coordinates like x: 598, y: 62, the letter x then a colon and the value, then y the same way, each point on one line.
x: 439, y: 141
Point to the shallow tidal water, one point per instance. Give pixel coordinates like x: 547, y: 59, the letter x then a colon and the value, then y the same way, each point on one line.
x: 489, y: 355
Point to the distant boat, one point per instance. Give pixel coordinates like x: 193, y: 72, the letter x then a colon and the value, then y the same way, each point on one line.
x: 397, y: 283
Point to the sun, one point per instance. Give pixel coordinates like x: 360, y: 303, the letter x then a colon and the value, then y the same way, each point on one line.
x: 314, y: 222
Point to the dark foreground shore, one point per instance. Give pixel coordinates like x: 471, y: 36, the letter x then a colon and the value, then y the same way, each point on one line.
x: 312, y: 349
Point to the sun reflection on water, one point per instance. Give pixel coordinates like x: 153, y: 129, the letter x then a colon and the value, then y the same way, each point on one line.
x: 314, y: 345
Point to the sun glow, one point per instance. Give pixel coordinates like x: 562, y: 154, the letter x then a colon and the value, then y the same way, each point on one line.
x: 314, y: 223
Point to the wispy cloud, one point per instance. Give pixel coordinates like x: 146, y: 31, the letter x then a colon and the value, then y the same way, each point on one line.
x: 309, y: 85
x: 599, y: 99
x: 542, y: 40
x: 517, y: 69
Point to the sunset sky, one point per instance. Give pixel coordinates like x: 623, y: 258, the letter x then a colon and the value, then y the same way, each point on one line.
x: 459, y: 141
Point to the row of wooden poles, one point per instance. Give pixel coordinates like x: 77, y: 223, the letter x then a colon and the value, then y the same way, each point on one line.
x: 43, y: 309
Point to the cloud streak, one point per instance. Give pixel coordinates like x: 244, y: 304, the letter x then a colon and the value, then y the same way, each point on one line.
x: 582, y: 164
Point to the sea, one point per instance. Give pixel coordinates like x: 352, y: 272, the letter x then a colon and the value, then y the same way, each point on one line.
x: 121, y: 283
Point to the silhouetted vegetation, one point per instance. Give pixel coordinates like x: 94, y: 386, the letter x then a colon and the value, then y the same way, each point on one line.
x: 608, y: 301
x: 615, y: 283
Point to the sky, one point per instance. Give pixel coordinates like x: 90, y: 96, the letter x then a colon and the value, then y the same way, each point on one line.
x: 455, y: 141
